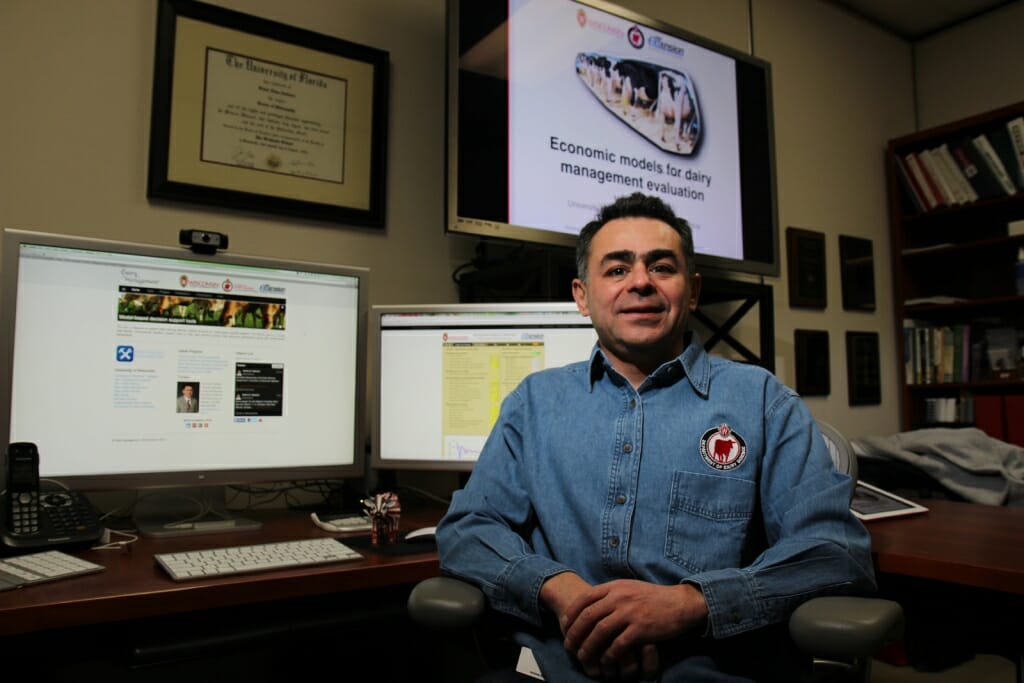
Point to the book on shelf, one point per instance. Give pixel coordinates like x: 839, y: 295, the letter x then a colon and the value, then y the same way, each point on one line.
x: 937, y: 354
x: 908, y: 351
x: 948, y: 410
x: 962, y: 362
x: 930, y: 191
x: 947, y: 351
x: 943, y: 410
x: 924, y: 300
x: 910, y: 251
x: 962, y: 187
x: 976, y: 171
x: 1015, y: 128
x: 994, y: 163
x: 1003, y: 145
x: 1002, y: 348
x: 909, y: 184
x: 937, y: 171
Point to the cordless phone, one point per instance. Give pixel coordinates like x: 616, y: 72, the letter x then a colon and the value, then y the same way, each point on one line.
x: 22, y: 488
x: 35, y: 518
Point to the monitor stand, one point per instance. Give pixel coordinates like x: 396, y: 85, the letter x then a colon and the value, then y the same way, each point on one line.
x: 187, y: 511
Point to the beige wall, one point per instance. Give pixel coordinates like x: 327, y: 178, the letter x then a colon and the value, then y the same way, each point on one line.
x: 76, y: 128
x: 972, y: 68
x: 842, y: 88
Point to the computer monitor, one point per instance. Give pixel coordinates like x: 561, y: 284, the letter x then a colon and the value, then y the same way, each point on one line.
x: 136, y: 366
x: 441, y: 372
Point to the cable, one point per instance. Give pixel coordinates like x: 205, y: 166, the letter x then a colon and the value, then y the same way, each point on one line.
x: 107, y: 544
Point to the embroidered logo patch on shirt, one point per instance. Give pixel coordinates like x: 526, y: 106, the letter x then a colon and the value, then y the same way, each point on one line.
x: 723, y: 448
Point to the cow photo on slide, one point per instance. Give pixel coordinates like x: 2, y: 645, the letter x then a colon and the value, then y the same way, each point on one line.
x: 655, y: 101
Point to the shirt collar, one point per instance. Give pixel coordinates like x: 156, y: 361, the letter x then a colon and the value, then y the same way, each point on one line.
x: 693, y: 363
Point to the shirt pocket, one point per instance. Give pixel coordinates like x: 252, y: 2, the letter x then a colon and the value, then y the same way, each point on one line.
x: 708, y: 520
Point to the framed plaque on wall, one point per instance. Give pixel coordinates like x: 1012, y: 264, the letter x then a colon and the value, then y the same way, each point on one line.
x: 862, y: 368
x: 805, y: 251
x: 812, y: 362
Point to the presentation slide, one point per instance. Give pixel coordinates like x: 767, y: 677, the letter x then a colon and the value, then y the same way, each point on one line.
x: 601, y: 107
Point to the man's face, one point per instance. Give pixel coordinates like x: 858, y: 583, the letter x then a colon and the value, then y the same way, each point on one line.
x: 637, y: 293
x: 187, y: 392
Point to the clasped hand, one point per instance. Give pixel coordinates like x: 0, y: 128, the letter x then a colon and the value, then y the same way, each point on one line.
x: 613, y: 628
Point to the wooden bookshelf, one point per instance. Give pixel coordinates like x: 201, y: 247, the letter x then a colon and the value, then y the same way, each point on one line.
x: 953, y: 269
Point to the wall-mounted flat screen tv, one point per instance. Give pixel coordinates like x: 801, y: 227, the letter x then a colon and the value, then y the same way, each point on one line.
x: 556, y: 107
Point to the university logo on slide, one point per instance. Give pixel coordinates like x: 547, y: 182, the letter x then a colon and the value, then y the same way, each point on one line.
x: 635, y: 37
x: 722, y: 448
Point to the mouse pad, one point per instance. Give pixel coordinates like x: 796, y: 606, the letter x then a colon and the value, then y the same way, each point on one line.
x: 399, y: 547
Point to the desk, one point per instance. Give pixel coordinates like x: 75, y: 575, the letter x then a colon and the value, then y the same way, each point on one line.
x: 134, y: 587
x: 962, y: 543
x: 957, y: 564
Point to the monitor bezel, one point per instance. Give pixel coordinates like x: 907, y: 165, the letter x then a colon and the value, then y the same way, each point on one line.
x: 377, y: 312
x: 13, y: 238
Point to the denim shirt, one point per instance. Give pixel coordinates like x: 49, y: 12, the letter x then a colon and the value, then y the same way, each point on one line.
x: 712, y: 472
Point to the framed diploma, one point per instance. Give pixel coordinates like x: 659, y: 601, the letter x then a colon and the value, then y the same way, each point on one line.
x: 256, y: 115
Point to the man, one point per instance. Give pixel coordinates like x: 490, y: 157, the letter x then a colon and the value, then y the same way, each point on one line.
x: 653, y: 512
x: 186, y: 402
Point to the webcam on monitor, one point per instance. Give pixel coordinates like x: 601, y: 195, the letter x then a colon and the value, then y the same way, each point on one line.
x: 203, y: 241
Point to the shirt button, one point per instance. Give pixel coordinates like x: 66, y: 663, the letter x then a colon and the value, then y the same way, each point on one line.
x: 632, y: 403
x: 628, y: 448
x: 614, y: 542
x: 620, y: 499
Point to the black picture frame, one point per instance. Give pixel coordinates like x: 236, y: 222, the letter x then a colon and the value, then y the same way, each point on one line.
x: 257, y: 115
x: 862, y: 368
x: 805, y: 253
x: 813, y: 377
x: 857, y: 269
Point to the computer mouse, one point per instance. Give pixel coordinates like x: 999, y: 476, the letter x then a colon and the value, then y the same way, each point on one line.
x: 423, y: 534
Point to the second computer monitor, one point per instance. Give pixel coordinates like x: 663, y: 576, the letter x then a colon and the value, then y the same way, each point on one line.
x: 441, y: 372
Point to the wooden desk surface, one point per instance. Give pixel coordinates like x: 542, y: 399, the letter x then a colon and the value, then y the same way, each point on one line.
x: 965, y: 543
x: 133, y: 586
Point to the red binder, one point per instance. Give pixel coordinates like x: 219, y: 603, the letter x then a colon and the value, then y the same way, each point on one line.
x: 1013, y: 412
x: 989, y: 417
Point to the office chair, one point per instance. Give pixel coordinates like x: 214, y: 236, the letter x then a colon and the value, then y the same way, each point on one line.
x: 839, y: 633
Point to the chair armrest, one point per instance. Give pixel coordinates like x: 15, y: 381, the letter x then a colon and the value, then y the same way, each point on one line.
x: 446, y: 603
x: 845, y: 628
x: 841, y: 628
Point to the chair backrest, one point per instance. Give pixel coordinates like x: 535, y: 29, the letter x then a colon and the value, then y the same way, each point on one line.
x: 840, y: 449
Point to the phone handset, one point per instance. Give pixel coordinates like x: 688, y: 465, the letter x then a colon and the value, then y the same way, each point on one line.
x: 22, y: 501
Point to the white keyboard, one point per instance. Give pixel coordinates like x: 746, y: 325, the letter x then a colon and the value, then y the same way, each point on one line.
x: 243, y: 559
x: 38, y: 567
